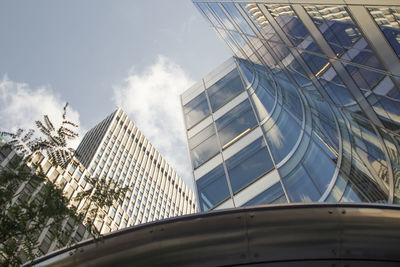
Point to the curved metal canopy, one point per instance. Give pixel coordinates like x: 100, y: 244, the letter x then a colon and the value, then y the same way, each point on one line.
x: 273, y: 235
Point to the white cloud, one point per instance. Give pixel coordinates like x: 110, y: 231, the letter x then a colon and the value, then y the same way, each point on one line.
x: 151, y: 99
x: 21, y: 106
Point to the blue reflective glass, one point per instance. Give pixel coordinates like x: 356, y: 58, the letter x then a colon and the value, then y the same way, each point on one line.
x: 362, y: 54
x: 237, y: 121
x: 293, y: 28
x: 248, y: 164
x: 389, y: 109
x: 365, y: 79
x: 338, y: 92
x: 325, y: 143
x: 272, y: 195
x: 238, y: 38
x: 280, y: 50
x: 282, y: 136
x: 247, y: 71
x: 316, y: 63
x: 237, y: 17
x: 340, y: 35
x: 203, y: 146
x: 263, y: 101
x: 338, y: 189
x: 226, y: 88
x: 225, y: 36
x: 299, y: 186
x: 196, y: 110
x: 291, y: 99
x: 325, y: 126
x: 212, y: 188
x: 208, y: 13
x: 223, y: 18
x: 318, y: 166
x: 350, y: 195
x: 393, y: 36
x: 298, y: 73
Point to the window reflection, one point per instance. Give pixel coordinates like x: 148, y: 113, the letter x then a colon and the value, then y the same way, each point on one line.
x: 208, y: 14
x: 388, y: 20
x: 237, y: 122
x: 222, y: 16
x: 247, y: 71
x: 319, y: 167
x: 196, y: 110
x: 212, y: 188
x: 237, y: 17
x: 225, y: 89
x: 203, y: 146
x: 248, y: 164
x: 300, y: 187
x: 349, y: 195
x: 282, y: 136
x: 263, y: 95
x: 273, y: 195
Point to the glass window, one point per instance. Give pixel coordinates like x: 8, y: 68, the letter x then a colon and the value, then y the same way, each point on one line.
x: 225, y: 36
x: 203, y: 145
x: 222, y: 17
x: 321, y: 170
x: 248, y: 164
x: 336, y: 90
x: 263, y: 97
x: 282, y: 136
x: 291, y: 99
x: 337, y: 191
x: 209, y: 15
x: 237, y: 121
x: 196, y: 110
x: 212, y: 188
x: 335, y: 25
x: 388, y: 20
x: 299, y: 186
x: 349, y: 195
x: 316, y: 63
x: 272, y: 195
x: 223, y: 90
x: 365, y: 79
x: 290, y: 24
x: 237, y: 17
x: 246, y: 70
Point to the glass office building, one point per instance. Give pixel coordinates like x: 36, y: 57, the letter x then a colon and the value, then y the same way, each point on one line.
x: 307, y: 110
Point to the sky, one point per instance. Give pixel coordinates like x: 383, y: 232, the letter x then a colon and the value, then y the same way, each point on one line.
x: 99, y: 55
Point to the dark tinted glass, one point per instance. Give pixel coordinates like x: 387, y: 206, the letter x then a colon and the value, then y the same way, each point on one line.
x: 203, y: 146
x: 274, y: 194
x: 212, y: 188
x: 238, y: 120
x: 223, y: 90
x: 248, y: 164
x: 196, y: 110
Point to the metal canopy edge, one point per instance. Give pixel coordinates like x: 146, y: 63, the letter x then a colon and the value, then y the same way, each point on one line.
x: 314, y: 234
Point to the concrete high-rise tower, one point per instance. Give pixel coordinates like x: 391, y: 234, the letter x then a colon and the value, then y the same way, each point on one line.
x: 116, y: 152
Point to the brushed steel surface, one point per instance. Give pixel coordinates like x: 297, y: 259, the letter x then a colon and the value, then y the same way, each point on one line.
x: 277, y: 235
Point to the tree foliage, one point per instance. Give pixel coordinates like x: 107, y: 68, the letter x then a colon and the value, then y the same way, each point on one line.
x: 30, y: 203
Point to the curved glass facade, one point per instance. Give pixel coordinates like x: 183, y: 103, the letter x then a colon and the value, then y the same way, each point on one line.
x: 315, y: 115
